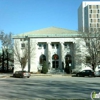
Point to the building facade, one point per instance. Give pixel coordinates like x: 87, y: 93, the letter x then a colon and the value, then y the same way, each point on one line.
x: 60, y: 48
x: 89, y: 16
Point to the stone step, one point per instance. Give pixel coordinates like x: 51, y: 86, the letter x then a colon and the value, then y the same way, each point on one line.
x: 54, y: 71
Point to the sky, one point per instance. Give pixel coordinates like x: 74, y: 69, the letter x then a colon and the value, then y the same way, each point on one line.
x: 19, y: 16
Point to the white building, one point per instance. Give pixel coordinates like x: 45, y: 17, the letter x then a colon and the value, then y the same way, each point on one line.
x: 89, y: 16
x: 58, y: 47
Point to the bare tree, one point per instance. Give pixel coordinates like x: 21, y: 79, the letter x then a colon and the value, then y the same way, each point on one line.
x: 7, y: 44
x: 21, y: 54
x: 92, y: 41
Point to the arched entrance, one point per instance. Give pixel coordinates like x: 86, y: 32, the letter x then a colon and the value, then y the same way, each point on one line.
x: 68, y: 63
x: 55, y: 61
x: 42, y: 59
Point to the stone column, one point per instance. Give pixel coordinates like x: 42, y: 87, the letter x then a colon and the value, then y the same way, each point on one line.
x: 49, y: 55
x: 62, y: 55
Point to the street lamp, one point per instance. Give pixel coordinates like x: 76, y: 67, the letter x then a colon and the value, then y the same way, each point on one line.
x: 27, y: 38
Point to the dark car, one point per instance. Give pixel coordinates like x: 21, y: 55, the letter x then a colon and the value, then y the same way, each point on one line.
x: 85, y: 73
x: 22, y: 74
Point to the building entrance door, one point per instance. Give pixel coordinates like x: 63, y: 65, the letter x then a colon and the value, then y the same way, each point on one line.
x: 55, y: 61
x: 55, y: 64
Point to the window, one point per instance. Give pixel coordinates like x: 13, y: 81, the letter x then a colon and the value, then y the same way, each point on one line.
x: 42, y: 59
x: 91, y: 20
x: 39, y: 46
x: 88, y: 59
x: 55, y: 57
x: 97, y: 16
x: 98, y: 11
x: 98, y: 20
x: 97, y: 25
x: 99, y: 29
x: 90, y: 15
x: 90, y: 25
x: 65, y: 45
x: 90, y: 6
x: 90, y: 11
x: 53, y: 46
x: 91, y: 29
x: 97, y: 6
x: 23, y: 45
x: 23, y: 39
x: 44, y: 46
x: 57, y: 46
x: 87, y: 44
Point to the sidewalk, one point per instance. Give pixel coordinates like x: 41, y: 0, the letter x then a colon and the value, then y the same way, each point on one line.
x: 5, y: 75
x: 68, y: 75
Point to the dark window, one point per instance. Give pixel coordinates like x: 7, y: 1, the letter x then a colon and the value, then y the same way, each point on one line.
x: 91, y: 29
x: 90, y: 6
x: 52, y: 45
x: 98, y: 20
x: 91, y: 11
x: 91, y: 20
x: 97, y: 6
x: 42, y: 59
x: 90, y: 25
x: 55, y: 57
x: 24, y: 39
x: 97, y: 16
x: 20, y: 39
x: 23, y: 45
x: 39, y: 46
x: 44, y: 46
x: 57, y: 46
x: 97, y: 25
x: 90, y: 15
x: 88, y: 59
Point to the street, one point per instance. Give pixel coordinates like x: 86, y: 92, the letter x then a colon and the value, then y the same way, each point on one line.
x: 48, y: 87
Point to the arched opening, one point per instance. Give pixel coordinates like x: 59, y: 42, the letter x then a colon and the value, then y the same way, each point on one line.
x: 55, y: 61
x: 68, y: 63
x: 42, y: 59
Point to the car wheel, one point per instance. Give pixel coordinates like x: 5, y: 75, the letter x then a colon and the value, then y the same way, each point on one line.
x: 20, y: 76
x: 90, y: 75
x: 27, y: 76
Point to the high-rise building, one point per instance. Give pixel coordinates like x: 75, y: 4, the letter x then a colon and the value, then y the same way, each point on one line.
x: 89, y: 16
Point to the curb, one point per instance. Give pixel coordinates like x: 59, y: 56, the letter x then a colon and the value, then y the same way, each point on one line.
x: 67, y: 75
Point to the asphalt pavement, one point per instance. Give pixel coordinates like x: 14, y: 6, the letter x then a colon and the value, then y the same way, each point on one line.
x: 39, y: 86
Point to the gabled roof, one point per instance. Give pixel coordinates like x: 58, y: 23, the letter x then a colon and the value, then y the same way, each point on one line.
x: 49, y: 32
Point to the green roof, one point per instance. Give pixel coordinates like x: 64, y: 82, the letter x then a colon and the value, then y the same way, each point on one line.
x: 49, y: 32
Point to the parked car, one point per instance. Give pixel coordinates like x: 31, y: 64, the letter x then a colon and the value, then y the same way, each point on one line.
x: 22, y: 74
x: 85, y: 73
x: 97, y: 73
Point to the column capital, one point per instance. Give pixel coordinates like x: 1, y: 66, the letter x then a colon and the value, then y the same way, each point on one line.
x: 61, y: 42
x: 48, y: 42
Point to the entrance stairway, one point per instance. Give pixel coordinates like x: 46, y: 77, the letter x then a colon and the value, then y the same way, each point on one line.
x: 55, y: 71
